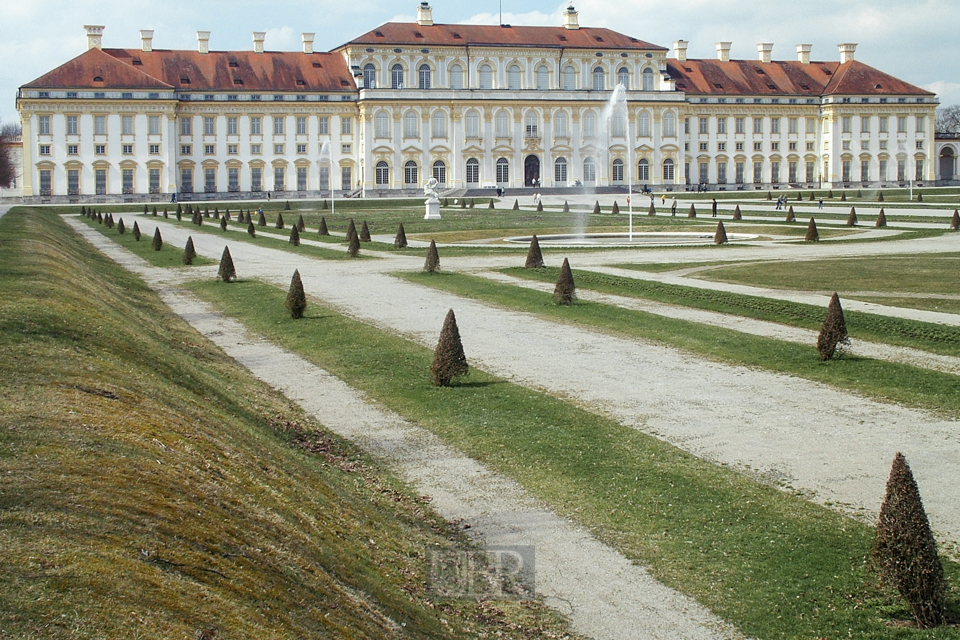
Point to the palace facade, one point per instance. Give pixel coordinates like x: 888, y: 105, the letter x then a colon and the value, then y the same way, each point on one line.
x: 471, y: 105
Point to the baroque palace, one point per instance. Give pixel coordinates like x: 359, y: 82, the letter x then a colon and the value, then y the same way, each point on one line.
x: 472, y: 106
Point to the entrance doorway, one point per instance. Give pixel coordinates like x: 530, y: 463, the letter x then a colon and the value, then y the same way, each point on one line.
x: 531, y: 171
x: 948, y: 165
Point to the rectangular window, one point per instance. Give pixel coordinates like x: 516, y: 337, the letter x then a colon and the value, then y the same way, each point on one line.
x: 901, y: 124
x: 704, y: 124
x: 704, y: 172
x: 185, y: 149
x: 758, y: 146
x: 233, y: 179
x: 256, y: 149
x: 301, y: 148
x: 100, y: 149
x: 809, y: 172
x: 686, y: 126
x: 346, y: 149
x: 256, y: 125
x: 43, y: 125
x: 793, y: 125
x: 345, y: 124
x: 901, y: 170
x: 301, y: 125
x: 346, y: 178
x: 209, y: 180
x: 775, y: 125
x: 721, y: 125
x: 278, y: 125
x: 324, y: 125
x: 186, y: 180
x: 774, y: 146
x: 722, y: 172
x: 757, y: 125
x: 209, y: 126
x: 301, y: 178
x: 186, y: 126
x: 256, y: 179
x: 791, y: 146
x: 864, y: 171
x: 721, y: 146
x: 919, y: 144
x: 884, y: 124
x: 846, y: 145
x: 643, y: 172
x: 100, y: 125
x: 73, y: 126
x: 845, y: 124
x: 209, y: 149
x: 100, y: 181
x: 127, y: 176
x: 233, y: 125
x: 703, y: 146
x: 154, y: 180
x: 775, y: 172
x: 811, y: 126
x: 126, y: 149
x: 278, y: 178
x: 810, y: 146
x: 278, y: 149
x: 740, y: 123
x: 758, y: 172
x: 740, y: 172
x: 845, y: 171
x: 44, y: 149
x: 920, y: 123
x: 792, y: 172
x: 126, y: 125
x: 864, y: 124
x: 73, y: 182
x: 918, y: 174
x: 233, y: 149
x: 883, y: 171
x: 324, y: 178
x: 73, y: 149
x: 738, y: 146
x: 153, y: 125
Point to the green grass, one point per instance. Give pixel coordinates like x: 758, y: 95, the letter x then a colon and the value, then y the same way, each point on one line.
x: 168, y: 256
x: 151, y: 487
x: 770, y: 562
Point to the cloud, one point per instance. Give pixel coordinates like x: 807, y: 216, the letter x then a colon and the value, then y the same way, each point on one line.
x: 947, y: 92
x: 531, y: 18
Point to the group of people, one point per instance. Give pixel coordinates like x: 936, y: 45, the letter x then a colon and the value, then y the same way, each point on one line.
x: 781, y: 202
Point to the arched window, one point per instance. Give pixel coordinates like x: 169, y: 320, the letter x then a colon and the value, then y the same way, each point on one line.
x: 543, y: 78
x: 396, y: 76
x: 513, y: 78
x: 623, y: 77
x: 560, y: 172
x: 643, y: 170
x: 440, y: 171
x: 410, y: 174
x: 589, y: 123
x: 473, y: 171
x: 532, y: 124
x: 569, y: 78
x: 439, y: 122
x: 560, y: 124
x: 411, y: 122
x: 589, y: 170
x: 381, y: 124
x: 486, y: 77
x: 369, y: 76
x: 648, y: 79
x: 643, y: 124
x: 473, y: 124
x: 617, y: 125
x: 668, y: 170
x: 423, y: 76
x: 456, y: 77
x: 383, y: 174
x: 618, y: 170
x: 599, y: 79
x: 669, y: 124
x: 503, y: 170
x: 503, y: 124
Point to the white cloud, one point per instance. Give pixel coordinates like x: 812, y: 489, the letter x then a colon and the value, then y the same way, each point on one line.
x: 947, y: 92
x: 532, y: 18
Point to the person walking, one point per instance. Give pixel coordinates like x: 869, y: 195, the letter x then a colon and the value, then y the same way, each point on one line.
x: 820, y: 204
x: 714, y: 207
x: 673, y: 207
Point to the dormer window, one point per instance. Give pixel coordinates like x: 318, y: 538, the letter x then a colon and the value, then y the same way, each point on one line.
x: 562, y: 38
x: 316, y: 65
x: 344, y: 83
x: 379, y: 34
x: 598, y: 38
x: 878, y: 86
x: 456, y: 36
x: 301, y: 82
x: 772, y: 86
x: 137, y: 62
x: 238, y: 81
x: 234, y: 64
x: 759, y: 71
x: 417, y: 34
x: 184, y: 80
x: 97, y: 79
x: 717, y: 85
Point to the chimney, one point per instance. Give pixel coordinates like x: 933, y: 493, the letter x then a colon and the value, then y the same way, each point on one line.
x: 846, y: 51
x: 425, y: 15
x: 765, y: 49
x: 146, y: 40
x: 307, y: 42
x: 803, y: 53
x: 203, y: 41
x: 570, y: 19
x: 680, y: 50
x: 258, y: 37
x: 723, y: 51
x: 94, y: 36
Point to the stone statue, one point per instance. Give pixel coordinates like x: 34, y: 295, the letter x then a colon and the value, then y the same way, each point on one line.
x: 430, y: 188
x: 433, y: 201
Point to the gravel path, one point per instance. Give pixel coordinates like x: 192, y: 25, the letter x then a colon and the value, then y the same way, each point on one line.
x: 605, y: 595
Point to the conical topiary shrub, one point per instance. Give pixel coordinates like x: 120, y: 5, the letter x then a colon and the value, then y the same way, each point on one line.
x: 279, y: 224
x: 323, y: 231
x: 566, y: 291
x: 189, y: 251
x: 261, y: 220
x: 400, y: 241
x: 955, y: 221
x: 566, y: 207
x: 905, y: 551
x: 769, y: 196
x: 294, y: 236
x: 286, y: 207
x: 491, y: 205
x: 240, y: 218
x: 216, y: 213
x: 919, y: 197
x: 830, y: 194
x: 516, y: 205
x: 790, y: 215
x: 833, y: 333
x: 206, y: 212
x: 471, y: 203
x: 353, y: 247
x: 720, y: 237
x: 432, y: 263
x: 799, y: 197
x: 165, y: 213
x: 812, y: 234
x: 859, y: 194
x: 652, y: 211
x: 616, y: 208
x: 121, y: 229
x: 736, y: 213
x: 852, y: 218
x: 323, y: 205
x: 596, y: 207
x: 843, y: 196
x: 179, y: 210
x: 227, y: 272
x: 157, y: 240
x: 83, y: 210
x: 99, y: 218
x: 539, y: 205
x: 364, y: 232
x: 226, y: 214
x: 693, y: 211
x: 296, y: 299
x: 880, y: 197
x: 882, y: 219
x: 449, y: 361
x: 352, y: 230
x: 223, y: 223
x: 534, y: 255
x: 252, y: 230
x: 155, y: 211
x: 301, y: 225
x: 109, y: 221
x: 145, y: 210
x: 136, y: 231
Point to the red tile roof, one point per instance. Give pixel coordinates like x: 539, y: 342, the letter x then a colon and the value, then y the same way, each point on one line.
x: 413, y: 34
x: 222, y: 71
x: 856, y: 78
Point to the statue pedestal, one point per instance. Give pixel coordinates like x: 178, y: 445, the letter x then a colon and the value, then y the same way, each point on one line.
x: 433, y: 209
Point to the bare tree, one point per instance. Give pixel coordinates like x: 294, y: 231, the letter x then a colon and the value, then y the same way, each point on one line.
x: 948, y: 119
x: 8, y: 171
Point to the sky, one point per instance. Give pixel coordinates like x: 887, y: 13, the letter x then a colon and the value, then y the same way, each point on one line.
x: 914, y: 40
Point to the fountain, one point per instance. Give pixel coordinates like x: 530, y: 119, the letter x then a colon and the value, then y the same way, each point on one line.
x: 325, y: 158
x: 617, y: 105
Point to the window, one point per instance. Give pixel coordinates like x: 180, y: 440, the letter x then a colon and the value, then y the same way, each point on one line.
x: 919, y: 144
x: 486, y: 77
x: 126, y: 125
x: 369, y: 76
x: 324, y: 178
x: 411, y: 124
x: 543, y: 78
x: 810, y: 146
x: 845, y: 124
x: 44, y: 150
x: 920, y: 124
x: 901, y: 124
x: 809, y: 171
x: 43, y: 125
x: 456, y: 77
x: 440, y: 172
x: 127, y: 180
x: 186, y: 180
x: 532, y: 125
x: 704, y: 146
x: 618, y: 125
x: 345, y: 125
x: 381, y: 125
x: 589, y: 123
x: 278, y: 125
x: 382, y: 174
x: 758, y: 146
x: 569, y: 78
x: 793, y: 125
x: 473, y: 124
x: 643, y: 124
x: 647, y: 79
x: 503, y: 171
x: 256, y: 149
x: 883, y: 171
x: 346, y: 177
x: 301, y: 148
x: 256, y: 179
x: 669, y: 124
x: 758, y: 172
x: 396, y: 76
x: 278, y: 149
x: 324, y: 125
x: 775, y: 172
x: 100, y: 181
x: 209, y: 180
x: 738, y: 146
x: 410, y: 174
x: 792, y: 146
x: 100, y: 125
x: 473, y: 171
x: 233, y: 179
x: 209, y: 126
x: 704, y: 125
x: 722, y: 125
x: 643, y: 170
x: 301, y: 125
x: 774, y: 146
x: 154, y: 180
x: 721, y: 146
x: 599, y: 80
x: 884, y: 124
x: 346, y: 149
x: 618, y: 170
x: 623, y: 77
x: 740, y: 125
x: 901, y: 170
x: 186, y: 126
x: 502, y: 124
x: 423, y: 76
x: 757, y: 125
x: 739, y: 169
x: 589, y: 170
x: 704, y: 172
x: 864, y: 171
x: 775, y: 125
x: 864, y: 124
x: 209, y: 149
x: 279, y: 178
x: 722, y: 173
x: 560, y: 124
x: 73, y: 127
x: 560, y: 172
x: 846, y: 145
x: 811, y: 126
x: 73, y: 182
x: 301, y: 178
x: 100, y: 149
x: 513, y: 78
x: 845, y: 175
x: 668, y: 170
x: 792, y: 172
x: 126, y: 149
x: 233, y: 149
x: 73, y: 149
x: 256, y: 125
